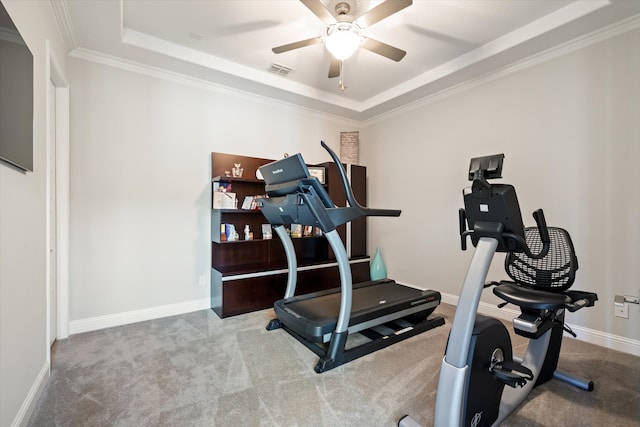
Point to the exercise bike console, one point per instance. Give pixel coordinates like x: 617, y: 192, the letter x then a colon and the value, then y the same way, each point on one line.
x: 494, y: 211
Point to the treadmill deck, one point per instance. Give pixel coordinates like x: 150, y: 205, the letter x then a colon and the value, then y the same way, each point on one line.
x: 314, y: 316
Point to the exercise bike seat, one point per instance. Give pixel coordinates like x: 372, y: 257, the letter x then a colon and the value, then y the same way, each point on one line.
x: 540, y: 286
x: 531, y: 299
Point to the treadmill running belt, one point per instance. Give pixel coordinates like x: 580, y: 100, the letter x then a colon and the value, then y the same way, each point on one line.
x: 314, y: 316
x: 365, y: 299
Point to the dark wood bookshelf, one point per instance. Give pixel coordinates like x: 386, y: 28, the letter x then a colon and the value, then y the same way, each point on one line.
x: 249, y: 275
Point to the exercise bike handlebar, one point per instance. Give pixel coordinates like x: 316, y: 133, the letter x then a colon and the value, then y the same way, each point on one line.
x: 521, y: 243
x: 542, y: 227
x: 544, y: 237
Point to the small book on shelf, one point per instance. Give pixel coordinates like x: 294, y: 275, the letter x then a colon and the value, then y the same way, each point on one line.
x: 296, y: 230
x: 248, y: 202
x: 251, y: 202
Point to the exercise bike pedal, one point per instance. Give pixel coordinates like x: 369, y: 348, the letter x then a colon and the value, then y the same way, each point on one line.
x: 512, y: 374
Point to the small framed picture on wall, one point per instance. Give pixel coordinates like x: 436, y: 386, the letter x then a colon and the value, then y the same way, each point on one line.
x: 318, y: 172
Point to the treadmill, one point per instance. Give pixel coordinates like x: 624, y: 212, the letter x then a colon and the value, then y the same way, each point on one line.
x: 382, y: 311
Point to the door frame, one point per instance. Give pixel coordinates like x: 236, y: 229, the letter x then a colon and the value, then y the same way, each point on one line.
x: 55, y: 74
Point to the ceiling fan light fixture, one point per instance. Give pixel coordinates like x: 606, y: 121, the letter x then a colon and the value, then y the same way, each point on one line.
x: 343, y: 40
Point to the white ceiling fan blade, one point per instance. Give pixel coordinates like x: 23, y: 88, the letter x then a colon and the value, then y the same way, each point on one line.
x: 319, y: 10
x: 383, y: 49
x: 381, y: 11
x: 297, y: 45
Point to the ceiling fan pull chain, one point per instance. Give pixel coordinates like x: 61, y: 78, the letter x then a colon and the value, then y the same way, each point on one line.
x: 342, y: 87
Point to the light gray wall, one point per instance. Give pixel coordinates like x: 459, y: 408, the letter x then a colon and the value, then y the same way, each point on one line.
x: 140, y: 180
x: 23, y: 218
x: 570, y: 130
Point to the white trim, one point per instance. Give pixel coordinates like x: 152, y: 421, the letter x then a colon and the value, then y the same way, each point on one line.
x: 578, y: 8
x: 55, y: 74
x: 197, y: 57
x: 175, y: 77
x: 587, y: 40
x: 47, y: 207
x: 134, y: 316
x: 65, y: 24
x: 62, y: 209
x: 489, y: 50
x: 592, y: 336
x: 285, y: 270
x: 543, y: 25
x: 29, y: 403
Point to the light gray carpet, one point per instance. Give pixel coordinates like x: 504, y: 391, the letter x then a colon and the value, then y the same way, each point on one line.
x: 198, y: 370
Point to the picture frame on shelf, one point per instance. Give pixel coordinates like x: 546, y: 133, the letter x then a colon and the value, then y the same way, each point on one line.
x: 318, y: 172
x: 248, y: 203
x: 296, y: 231
x: 224, y: 200
x: 266, y: 231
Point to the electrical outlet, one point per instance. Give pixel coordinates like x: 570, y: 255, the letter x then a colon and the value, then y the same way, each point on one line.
x: 621, y: 310
x: 632, y: 299
x: 202, y: 281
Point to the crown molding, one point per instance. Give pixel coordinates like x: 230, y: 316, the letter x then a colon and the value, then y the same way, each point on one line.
x: 61, y: 12
x: 578, y: 43
x: 161, y: 73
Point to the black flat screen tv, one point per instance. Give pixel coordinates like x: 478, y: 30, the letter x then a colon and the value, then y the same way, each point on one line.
x: 16, y: 96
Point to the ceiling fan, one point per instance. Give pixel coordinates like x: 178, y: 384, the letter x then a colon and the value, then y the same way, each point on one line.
x: 344, y: 32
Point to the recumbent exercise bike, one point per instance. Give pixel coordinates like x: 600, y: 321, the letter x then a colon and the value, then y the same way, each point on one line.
x: 478, y: 362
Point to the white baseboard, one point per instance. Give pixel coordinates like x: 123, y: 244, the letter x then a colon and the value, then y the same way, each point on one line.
x: 604, y: 339
x: 592, y: 336
x: 128, y: 317
x: 29, y: 404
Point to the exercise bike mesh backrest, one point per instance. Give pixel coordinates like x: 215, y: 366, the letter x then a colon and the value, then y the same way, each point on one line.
x: 555, y: 272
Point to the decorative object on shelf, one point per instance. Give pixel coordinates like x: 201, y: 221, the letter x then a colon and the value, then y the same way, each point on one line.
x: 224, y: 200
x: 318, y: 172
x: 248, y: 234
x: 266, y: 231
x: 378, y: 270
x: 296, y: 231
x: 349, y: 147
x: 237, y: 170
x: 223, y: 186
x: 248, y: 203
x: 307, y: 231
x: 231, y: 233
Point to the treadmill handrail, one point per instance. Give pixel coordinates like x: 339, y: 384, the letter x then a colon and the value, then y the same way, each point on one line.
x: 355, y: 209
x: 318, y: 204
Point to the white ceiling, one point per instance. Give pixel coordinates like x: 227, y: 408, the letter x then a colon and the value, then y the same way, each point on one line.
x: 229, y: 42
